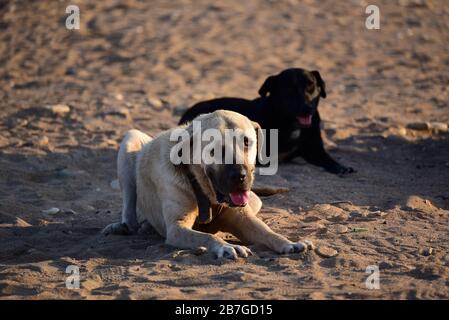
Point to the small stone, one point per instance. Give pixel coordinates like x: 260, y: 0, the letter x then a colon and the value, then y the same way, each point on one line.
x: 341, y: 229
x: 59, y: 109
x: 119, y: 96
x: 326, y: 252
x: 426, y: 252
x: 115, y: 184
x: 402, y: 131
x: 317, y: 295
x: 419, y: 126
x: 51, y: 211
x: 41, y: 141
x: 155, y: 102
x: 439, y: 126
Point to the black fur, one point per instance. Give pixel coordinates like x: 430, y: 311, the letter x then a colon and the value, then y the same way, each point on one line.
x: 284, y: 97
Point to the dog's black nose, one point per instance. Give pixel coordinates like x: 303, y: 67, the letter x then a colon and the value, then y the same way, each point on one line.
x: 309, y: 108
x: 239, y: 174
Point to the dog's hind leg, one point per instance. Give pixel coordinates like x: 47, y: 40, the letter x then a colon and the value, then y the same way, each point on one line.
x: 126, y: 169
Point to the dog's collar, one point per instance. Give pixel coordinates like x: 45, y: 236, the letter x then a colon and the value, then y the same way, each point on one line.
x: 214, y: 211
x: 206, y: 211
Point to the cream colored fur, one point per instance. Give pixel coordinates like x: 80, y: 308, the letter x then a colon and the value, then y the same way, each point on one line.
x: 156, y: 191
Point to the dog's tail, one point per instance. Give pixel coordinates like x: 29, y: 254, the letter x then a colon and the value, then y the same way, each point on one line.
x: 265, y: 191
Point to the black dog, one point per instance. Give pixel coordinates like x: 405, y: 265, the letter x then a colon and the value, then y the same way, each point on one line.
x: 288, y: 103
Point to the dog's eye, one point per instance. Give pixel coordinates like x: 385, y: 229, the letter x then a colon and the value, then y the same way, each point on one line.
x: 212, y: 153
x: 246, y: 141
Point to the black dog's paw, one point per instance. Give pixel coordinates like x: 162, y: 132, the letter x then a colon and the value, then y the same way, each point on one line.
x: 345, y: 170
x: 341, y: 170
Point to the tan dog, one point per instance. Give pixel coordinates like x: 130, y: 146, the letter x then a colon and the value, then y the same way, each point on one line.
x: 162, y: 193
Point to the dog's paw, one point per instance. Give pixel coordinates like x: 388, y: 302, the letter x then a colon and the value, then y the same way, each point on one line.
x: 230, y: 251
x: 297, y: 247
x: 346, y: 170
x: 340, y: 170
x: 117, y: 228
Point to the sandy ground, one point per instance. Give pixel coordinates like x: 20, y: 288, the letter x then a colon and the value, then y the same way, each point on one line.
x: 136, y: 64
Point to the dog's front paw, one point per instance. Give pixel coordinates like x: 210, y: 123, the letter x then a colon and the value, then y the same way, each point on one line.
x: 340, y: 170
x: 117, y: 228
x: 297, y: 247
x: 345, y: 170
x: 231, y: 251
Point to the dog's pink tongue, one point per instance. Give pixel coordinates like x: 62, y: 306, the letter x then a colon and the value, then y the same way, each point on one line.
x: 240, y: 198
x: 305, y: 120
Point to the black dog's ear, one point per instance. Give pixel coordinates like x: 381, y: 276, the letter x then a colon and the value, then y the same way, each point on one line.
x: 267, y: 86
x: 320, y: 83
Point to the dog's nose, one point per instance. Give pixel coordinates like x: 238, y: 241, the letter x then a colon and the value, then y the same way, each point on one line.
x: 239, y: 175
x: 309, y: 108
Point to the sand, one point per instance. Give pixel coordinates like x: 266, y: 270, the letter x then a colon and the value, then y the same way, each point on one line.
x: 68, y: 96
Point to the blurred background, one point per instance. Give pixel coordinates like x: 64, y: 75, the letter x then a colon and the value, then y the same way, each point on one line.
x: 133, y: 53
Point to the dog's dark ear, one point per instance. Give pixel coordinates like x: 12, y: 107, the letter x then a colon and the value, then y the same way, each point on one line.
x: 260, y: 138
x: 267, y: 86
x: 320, y: 83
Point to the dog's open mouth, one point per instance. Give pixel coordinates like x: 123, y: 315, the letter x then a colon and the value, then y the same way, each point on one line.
x: 234, y: 199
x: 240, y: 198
x: 305, y: 120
